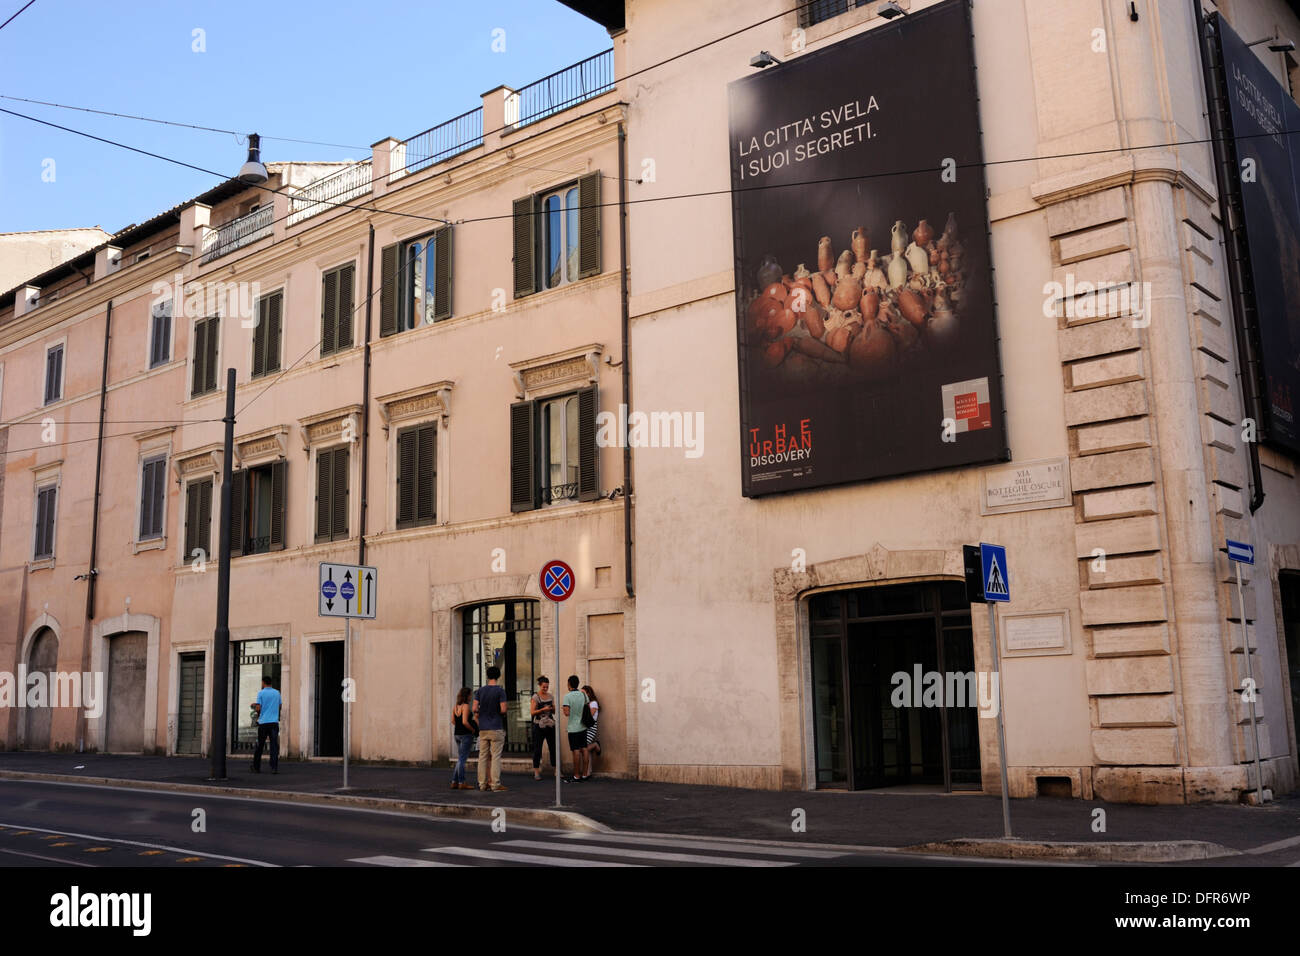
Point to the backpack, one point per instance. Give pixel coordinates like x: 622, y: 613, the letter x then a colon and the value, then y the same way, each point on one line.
x: 587, y: 719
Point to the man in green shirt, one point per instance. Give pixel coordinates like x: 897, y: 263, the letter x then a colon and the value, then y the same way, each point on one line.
x: 575, y: 701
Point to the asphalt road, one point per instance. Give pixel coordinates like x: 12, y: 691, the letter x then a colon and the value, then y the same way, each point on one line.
x: 79, y: 825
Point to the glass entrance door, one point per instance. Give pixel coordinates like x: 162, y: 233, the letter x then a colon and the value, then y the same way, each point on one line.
x: 253, y: 661
x: 874, y: 652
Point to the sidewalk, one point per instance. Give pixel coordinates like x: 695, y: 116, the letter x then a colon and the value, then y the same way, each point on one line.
x: 866, y: 818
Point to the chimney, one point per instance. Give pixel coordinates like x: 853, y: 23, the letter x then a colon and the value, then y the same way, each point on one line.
x: 26, y: 298
x: 195, y: 225
x: 107, y: 261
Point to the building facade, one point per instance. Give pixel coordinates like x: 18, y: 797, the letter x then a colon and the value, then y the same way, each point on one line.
x: 479, y: 349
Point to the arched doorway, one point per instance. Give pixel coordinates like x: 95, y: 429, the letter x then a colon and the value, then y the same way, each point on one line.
x: 128, y: 658
x: 42, y: 655
x: 894, y: 688
x: 505, y: 634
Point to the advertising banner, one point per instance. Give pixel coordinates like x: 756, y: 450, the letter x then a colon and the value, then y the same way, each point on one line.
x: 865, y: 321
x: 1265, y: 122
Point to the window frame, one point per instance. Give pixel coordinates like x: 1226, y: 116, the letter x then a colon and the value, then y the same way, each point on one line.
x: 197, y: 538
x: 533, y: 450
x: 327, y: 453
x: 170, y: 327
x: 417, y: 521
x: 194, y: 357
x: 241, y: 496
x: 253, y: 373
x: 531, y: 242
x: 43, y: 485
x: 542, y: 241
x: 545, y: 493
x: 325, y: 273
x: 147, y: 459
x: 60, y: 345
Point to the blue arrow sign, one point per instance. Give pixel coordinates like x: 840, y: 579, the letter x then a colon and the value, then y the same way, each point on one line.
x: 329, y: 589
x: 1243, y: 553
x: 997, y: 584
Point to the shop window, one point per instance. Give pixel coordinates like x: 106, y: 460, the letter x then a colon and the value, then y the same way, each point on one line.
x: 504, y: 634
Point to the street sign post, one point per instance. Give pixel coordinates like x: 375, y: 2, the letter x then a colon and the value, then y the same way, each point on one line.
x: 996, y: 581
x: 348, y: 591
x: 557, y: 582
x: 1240, y: 553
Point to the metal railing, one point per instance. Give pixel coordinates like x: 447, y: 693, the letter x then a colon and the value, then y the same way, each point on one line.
x: 440, y: 142
x: 319, y: 196
x: 238, y: 232
x: 551, y: 94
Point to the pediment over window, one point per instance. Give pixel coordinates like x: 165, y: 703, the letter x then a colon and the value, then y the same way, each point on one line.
x: 422, y: 401
x: 557, y: 372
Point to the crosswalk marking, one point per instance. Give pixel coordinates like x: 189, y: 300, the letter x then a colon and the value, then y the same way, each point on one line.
x: 506, y: 856
x: 400, y: 861
x: 655, y: 854
x: 809, y: 854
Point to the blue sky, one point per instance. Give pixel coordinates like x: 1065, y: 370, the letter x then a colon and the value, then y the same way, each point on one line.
x: 346, y: 73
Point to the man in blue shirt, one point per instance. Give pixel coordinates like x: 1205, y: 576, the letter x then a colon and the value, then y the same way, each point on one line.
x: 268, y: 725
x: 490, y: 712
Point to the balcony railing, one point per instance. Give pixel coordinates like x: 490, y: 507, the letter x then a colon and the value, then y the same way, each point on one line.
x: 441, y: 142
x: 238, y: 232
x: 321, y: 195
x: 570, y: 86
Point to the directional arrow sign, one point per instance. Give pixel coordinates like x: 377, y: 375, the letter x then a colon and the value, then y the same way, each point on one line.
x: 1241, y: 552
x: 348, y: 590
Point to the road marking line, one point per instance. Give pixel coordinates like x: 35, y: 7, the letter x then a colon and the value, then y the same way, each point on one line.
x: 706, y: 845
x: 189, y: 859
x: 653, y: 854
x: 52, y: 859
x: 518, y: 857
x: 150, y: 853
x: 400, y: 861
x: 98, y: 849
x: 1275, y: 845
x: 64, y: 843
x: 152, y: 846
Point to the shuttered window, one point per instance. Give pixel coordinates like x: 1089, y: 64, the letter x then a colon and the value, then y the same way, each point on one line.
x: 153, y: 491
x: 266, y: 336
x: 257, y: 509
x: 160, y: 341
x: 43, y: 543
x: 198, y: 518
x: 336, y: 309
x: 416, y: 278
x: 332, y: 494
x: 557, y: 236
x: 553, y: 453
x: 417, y: 484
x: 207, y: 337
x: 53, y: 374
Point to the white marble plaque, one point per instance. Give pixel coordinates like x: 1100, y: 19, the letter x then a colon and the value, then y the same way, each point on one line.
x: 1026, y: 485
x: 1041, y: 632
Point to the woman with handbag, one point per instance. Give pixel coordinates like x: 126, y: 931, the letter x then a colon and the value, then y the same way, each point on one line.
x: 542, y: 708
x: 465, y: 729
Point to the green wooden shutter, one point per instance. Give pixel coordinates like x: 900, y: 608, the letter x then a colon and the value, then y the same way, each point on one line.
x: 525, y: 247
x: 390, y: 286
x: 324, y: 497
x: 523, y: 491
x: 259, y: 339
x: 588, y: 453
x: 329, y: 317
x: 204, y: 536
x: 406, y: 472
x: 346, y: 281
x: 278, y: 475
x: 238, y: 482
x: 192, y: 497
x: 426, y: 474
x: 200, y: 357
x: 339, y: 491
x: 146, y: 499
x: 589, y: 225
x: 442, y: 273
x: 210, y: 363
x: 276, y: 323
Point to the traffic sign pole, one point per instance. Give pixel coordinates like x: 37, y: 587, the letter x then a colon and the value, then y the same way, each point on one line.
x: 347, y: 698
x: 557, y: 581
x: 1002, y: 732
x: 555, y: 748
x: 1250, y: 682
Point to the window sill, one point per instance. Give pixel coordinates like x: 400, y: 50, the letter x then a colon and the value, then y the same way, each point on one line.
x: 40, y: 564
x: 151, y: 544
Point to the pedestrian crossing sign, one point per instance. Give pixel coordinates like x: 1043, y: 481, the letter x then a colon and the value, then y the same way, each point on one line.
x: 997, y: 585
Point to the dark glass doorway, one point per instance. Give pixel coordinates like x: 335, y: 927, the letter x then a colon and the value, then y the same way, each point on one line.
x: 861, y: 641
x: 1289, y: 585
x: 328, y: 731
x: 253, y: 660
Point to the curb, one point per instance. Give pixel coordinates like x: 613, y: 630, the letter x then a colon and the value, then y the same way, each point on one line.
x: 548, y: 819
x: 1159, y: 851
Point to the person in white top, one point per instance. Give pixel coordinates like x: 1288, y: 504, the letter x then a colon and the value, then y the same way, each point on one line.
x: 593, y: 745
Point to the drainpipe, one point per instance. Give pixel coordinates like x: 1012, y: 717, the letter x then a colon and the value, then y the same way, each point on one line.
x: 627, y: 381
x: 1239, y: 279
x: 92, y: 574
x: 365, y: 394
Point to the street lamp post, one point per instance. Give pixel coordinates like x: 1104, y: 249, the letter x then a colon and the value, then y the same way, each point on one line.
x: 221, y: 637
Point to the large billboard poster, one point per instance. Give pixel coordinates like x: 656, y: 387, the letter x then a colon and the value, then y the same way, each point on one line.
x: 1265, y: 122
x: 867, y: 341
